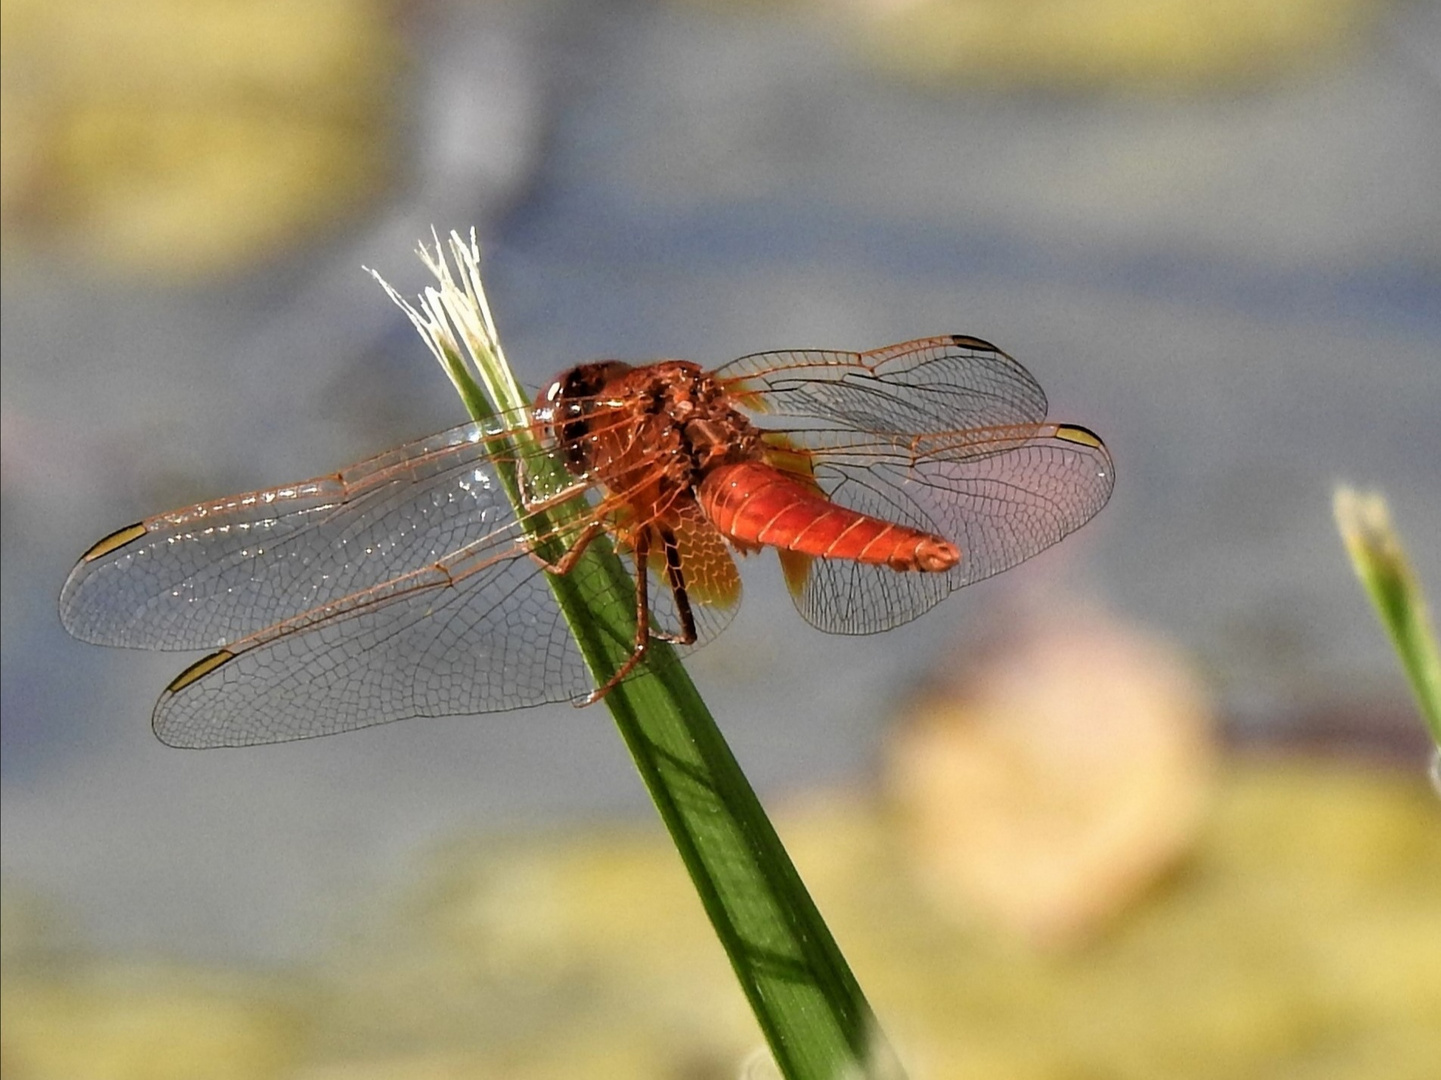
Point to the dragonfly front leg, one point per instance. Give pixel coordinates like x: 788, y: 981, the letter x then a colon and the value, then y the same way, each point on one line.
x: 568, y: 560
x: 641, y: 551
x: 532, y: 502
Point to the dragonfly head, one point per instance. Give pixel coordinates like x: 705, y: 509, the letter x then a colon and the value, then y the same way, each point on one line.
x: 564, y: 408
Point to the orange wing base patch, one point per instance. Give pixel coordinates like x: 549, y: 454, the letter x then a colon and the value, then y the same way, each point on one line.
x: 797, y: 463
x: 796, y: 566
x: 711, y: 577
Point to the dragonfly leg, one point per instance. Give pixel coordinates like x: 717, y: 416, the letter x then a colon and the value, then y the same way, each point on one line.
x: 532, y: 503
x: 572, y: 553
x: 675, y: 576
x: 641, y: 552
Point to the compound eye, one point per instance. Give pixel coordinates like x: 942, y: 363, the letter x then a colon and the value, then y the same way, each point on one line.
x: 546, y: 405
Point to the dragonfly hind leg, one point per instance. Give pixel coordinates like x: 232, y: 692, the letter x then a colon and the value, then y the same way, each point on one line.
x: 675, y: 578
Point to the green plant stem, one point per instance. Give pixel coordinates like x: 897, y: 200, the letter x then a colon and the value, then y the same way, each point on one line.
x: 1385, y: 572
x: 808, y: 1004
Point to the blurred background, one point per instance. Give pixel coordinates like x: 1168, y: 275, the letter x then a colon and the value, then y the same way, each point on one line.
x: 1152, y: 804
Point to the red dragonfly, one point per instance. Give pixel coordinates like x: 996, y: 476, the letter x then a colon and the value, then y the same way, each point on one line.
x: 407, y: 585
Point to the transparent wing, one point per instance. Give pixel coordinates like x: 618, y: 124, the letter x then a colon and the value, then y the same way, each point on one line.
x: 400, y: 587
x: 932, y: 385
x: 207, y: 575
x: 1000, y: 494
x: 478, y: 633
x: 945, y: 434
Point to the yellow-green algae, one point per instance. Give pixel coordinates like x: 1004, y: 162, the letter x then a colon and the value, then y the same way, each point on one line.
x: 178, y: 138
x: 1302, y: 937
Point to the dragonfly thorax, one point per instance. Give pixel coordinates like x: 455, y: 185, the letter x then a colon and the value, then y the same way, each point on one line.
x: 626, y: 425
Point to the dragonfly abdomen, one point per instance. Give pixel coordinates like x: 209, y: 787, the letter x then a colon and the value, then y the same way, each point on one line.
x: 753, y: 503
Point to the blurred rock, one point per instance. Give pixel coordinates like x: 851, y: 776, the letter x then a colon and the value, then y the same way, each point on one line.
x: 1057, y: 778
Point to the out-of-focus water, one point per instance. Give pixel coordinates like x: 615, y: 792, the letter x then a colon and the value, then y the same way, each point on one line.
x: 1241, y: 290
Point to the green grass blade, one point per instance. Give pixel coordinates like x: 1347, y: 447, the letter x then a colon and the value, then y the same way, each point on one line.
x: 808, y: 1004
x: 1386, y: 574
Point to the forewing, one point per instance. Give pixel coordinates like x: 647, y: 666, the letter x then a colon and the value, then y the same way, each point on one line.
x: 928, y: 386
x: 474, y: 631
x: 1001, y: 495
x: 213, y: 573
x: 478, y: 633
